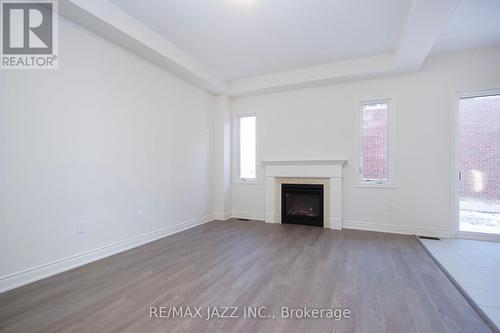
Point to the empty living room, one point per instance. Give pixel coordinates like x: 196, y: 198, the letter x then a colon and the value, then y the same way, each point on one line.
x: 250, y: 166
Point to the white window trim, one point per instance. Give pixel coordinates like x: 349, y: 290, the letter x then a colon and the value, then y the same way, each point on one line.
x: 236, y: 151
x: 389, y: 183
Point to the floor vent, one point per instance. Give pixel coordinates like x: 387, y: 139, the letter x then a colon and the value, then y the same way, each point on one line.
x: 243, y: 219
x: 426, y: 237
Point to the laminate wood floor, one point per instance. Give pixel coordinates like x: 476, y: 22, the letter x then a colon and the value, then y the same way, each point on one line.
x: 387, y: 281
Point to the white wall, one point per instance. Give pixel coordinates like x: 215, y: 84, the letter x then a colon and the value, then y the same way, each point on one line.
x: 222, y: 157
x: 321, y: 123
x: 101, y: 138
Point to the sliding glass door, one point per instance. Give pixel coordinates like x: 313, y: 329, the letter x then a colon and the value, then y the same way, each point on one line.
x: 479, y: 164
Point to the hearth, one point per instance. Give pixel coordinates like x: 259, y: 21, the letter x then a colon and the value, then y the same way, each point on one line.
x: 302, y: 204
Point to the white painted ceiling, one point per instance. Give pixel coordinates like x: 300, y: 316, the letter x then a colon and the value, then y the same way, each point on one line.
x: 242, y: 38
x: 475, y: 23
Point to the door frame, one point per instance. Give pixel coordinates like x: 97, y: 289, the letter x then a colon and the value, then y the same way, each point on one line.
x: 455, y: 202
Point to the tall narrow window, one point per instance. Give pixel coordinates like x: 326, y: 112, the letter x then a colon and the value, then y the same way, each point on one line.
x: 246, y: 147
x: 374, y: 168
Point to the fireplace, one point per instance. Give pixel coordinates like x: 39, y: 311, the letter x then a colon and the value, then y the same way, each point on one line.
x: 302, y: 204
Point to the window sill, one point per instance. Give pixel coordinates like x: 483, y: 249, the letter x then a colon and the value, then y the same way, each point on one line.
x: 387, y: 186
x: 245, y: 182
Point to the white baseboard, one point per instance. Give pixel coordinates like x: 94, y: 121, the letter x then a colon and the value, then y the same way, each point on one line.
x: 396, y: 229
x: 221, y: 216
x: 250, y: 216
x: 367, y: 226
x: 37, y: 273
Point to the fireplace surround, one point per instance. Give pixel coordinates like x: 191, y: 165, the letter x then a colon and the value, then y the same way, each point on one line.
x: 325, y: 172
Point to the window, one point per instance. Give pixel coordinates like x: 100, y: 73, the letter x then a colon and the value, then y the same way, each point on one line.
x: 374, y: 166
x: 246, y: 147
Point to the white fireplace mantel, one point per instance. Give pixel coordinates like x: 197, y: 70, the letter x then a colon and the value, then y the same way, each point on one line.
x: 331, y: 170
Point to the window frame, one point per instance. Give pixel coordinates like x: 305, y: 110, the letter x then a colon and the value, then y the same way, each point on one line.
x: 236, y: 151
x: 390, y: 170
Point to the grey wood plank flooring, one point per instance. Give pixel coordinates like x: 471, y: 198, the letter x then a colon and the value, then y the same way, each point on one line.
x: 387, y: 281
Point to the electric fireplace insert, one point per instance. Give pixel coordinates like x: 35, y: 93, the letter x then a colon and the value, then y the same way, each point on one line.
x: 302, y: 204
